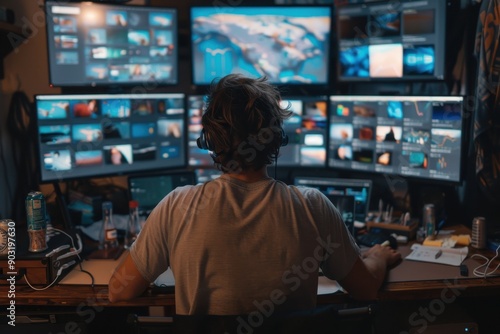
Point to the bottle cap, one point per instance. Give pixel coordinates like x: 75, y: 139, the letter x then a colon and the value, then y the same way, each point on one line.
x: 107, y: 205
x: 133, y: 204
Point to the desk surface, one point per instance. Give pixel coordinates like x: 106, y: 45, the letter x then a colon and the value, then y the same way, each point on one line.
x: 432, y: 281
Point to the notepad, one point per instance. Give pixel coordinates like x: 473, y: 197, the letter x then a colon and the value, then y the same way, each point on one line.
x: 449, y: 256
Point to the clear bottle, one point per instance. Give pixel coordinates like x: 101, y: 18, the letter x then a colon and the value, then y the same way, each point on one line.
x: 133, y: 225
x: 109, y: 235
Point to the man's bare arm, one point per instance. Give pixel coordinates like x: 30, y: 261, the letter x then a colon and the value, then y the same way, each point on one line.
x: 126, y: 282
x: 368, y: 273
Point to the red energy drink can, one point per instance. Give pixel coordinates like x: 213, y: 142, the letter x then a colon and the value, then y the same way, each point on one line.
x: 36, y: 220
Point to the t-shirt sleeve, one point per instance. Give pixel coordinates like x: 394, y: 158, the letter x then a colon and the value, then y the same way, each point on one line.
x: 340, y: 248
x: 149, y: 252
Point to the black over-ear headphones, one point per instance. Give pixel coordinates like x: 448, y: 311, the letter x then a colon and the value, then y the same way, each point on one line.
x: 205, y: 144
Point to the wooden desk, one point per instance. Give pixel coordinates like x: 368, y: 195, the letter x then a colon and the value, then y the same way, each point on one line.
x: 74, y: 295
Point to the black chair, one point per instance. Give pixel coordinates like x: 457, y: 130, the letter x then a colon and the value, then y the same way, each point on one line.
x: 322, y: 320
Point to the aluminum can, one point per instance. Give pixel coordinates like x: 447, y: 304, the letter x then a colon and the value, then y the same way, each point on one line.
x: 429, y: 220
x: 36, y: 219
x: 478, y: 236
x: 5, y: 224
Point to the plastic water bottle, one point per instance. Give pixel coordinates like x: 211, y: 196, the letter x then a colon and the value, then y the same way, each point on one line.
x: 109, y: 235
x: 134, y: 224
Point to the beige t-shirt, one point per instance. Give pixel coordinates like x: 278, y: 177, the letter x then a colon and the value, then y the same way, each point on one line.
x: 237, y: 247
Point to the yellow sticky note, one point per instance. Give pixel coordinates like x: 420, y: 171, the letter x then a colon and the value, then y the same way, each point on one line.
x: 430, y: 241
x: 461, y: 239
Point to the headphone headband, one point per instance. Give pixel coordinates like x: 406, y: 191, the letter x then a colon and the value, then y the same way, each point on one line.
x: 204, y: 144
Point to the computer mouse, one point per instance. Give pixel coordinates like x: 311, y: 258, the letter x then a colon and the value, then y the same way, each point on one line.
x: 371, y: 239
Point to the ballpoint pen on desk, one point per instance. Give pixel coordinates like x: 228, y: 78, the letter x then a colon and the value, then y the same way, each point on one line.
x: 438, y: 254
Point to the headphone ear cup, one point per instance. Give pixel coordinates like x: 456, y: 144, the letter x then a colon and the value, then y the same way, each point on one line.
x: 203, y: 142
x: 284, y: 138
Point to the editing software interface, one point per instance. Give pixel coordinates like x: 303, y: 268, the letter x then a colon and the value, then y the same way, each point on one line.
x: 150, y: 189
x: 307, y: 131
x: 108, y: 134
x: 392, y: 40
x: 415, y: 136
x: 101, y: 44
x: 195, y: 108
x: 333, y: 188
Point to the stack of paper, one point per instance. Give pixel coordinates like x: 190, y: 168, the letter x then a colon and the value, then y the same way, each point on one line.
x: 449, y: 256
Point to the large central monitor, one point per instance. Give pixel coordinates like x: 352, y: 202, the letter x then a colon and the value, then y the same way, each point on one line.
x: 289, y: 45
x: 93, y: 44
x: 306, y: 129
x: 392, y: 40
x: 414, y: 136
x: 87, y: 136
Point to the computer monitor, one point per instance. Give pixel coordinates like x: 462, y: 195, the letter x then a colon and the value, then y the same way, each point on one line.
x: 413, y: 136
x: 331, y: 187
x: 206, y: 174
x: 289, y: 45
x: 94, y: 135
x: 149, y: 189
x: 197, y: 157
x: 94, y: 44
x: 307, y: 131
x: 392, y: 40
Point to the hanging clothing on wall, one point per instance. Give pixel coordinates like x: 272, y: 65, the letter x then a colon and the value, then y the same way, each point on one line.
x: 22, y: 128
x: 486, y: 132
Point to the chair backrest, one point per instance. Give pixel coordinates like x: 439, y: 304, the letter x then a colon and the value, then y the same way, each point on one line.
x: 322, y: 320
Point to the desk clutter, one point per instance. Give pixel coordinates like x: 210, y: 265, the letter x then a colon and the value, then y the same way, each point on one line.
x: 44, y: 267
x: 449, y: 256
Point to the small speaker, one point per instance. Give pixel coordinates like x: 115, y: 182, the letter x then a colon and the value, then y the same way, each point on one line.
x: 478, y: 237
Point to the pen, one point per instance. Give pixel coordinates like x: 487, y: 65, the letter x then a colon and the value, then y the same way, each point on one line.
x: 439, y: 226
x: 438, y: 254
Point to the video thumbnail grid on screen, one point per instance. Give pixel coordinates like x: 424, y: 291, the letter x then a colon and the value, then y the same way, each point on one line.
x: 306, y: 130
x: 410, y: 136
x: 93, y: 135
x: 388, y: 41
x: 95, y: 44
x: 289, y: 45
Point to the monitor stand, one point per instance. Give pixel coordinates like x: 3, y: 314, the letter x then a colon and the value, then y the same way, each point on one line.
x: 68, y: 226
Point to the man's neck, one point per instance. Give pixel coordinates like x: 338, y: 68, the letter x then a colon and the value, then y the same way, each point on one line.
x: 250, y: 175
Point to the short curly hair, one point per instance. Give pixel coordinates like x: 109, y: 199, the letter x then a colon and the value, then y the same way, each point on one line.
x: 243, y: 122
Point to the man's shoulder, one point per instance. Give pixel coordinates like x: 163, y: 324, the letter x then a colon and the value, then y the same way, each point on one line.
x: 308, y: 191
